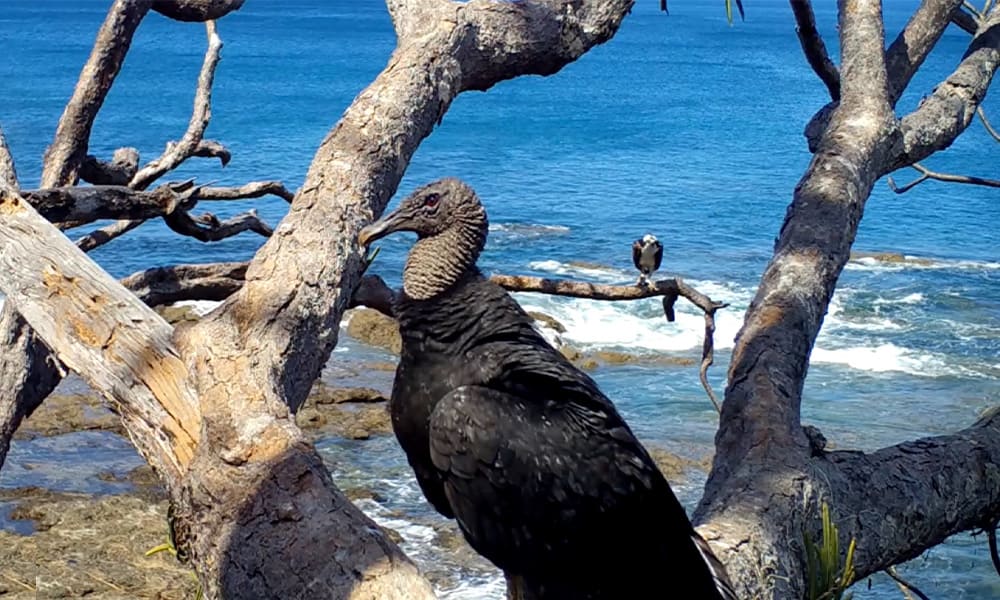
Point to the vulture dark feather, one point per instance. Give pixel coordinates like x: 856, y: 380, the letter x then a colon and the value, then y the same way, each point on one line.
x: 505, y: 435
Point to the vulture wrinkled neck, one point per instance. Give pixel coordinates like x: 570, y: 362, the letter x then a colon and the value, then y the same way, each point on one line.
x: 437, y: 262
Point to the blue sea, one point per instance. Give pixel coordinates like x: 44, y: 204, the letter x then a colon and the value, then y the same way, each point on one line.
x: 682, y: 126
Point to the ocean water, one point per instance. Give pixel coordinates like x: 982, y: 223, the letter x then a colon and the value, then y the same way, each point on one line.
x: 681, y: 125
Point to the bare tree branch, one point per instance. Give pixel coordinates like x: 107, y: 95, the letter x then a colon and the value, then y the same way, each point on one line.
x: 69, y: 148
x: 947, y: 112
x: 166, y: 285
x: 122, y: 168
x: 863, y: 66
x: 178, y: 152
x: 196, y: 10
x: 965, y: 21
x: 80, y: 205
x: 926, y: 174
x: 28, y: 371
x: 814, y: 48
x: 212, y: 149
x: 208, y: 228
x: 915, y: 42
x: 102, y: 236
x: 254, y: 189
x: 986, y: 123
x: 8, y: 174
x: 905, y: 586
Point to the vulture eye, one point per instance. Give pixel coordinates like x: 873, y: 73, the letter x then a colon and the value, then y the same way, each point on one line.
x: 431, y: 200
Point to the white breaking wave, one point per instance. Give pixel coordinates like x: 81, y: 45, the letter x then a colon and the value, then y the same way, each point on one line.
x: 528, y: 228
x: 883, y: 358
x: 914, y: 298
x: 200, y: 307
x: 857, y: 341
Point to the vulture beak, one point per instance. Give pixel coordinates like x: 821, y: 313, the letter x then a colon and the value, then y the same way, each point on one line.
x: 390, y: 223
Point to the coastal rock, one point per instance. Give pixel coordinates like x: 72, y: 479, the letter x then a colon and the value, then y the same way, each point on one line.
x: 548, y: 321
x: 90, y: 546
x: 375, y: 329
x: 325, y: 394
x: 674, y: 466
x: 892, y: 258
x: 614, y: 357
x: 175, y: 314
x: 72, y: 412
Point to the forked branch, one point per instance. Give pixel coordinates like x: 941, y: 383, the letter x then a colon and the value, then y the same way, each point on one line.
x: 208, y: 228
x: 926, y: 174
x: 814, y: 48
x: 69, y: 148
x: 178, y: 152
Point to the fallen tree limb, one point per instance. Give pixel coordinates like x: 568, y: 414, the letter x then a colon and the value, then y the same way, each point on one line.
x: 104, y: 333
x: 105, y: 234
x: 166, y: 285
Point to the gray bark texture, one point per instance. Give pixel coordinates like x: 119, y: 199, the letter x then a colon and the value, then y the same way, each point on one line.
x: 210, y: 404
x: 767, y: 480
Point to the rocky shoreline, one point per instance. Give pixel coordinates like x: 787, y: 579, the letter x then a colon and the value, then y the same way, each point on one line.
x: 72, y: 545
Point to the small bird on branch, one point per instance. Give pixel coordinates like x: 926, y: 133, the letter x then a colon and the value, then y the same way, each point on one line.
x: 647, y: 254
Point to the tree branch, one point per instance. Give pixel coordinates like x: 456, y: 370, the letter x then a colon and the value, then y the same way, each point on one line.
x: 863, y: 66
x: 196, y: 10
x: 122, y: 168
x: 926, y: 174
x: 986, y: 123
x: 965, y: 21
x: 104, y: 333
x: 212, y: 149
x: 254, y: 189
x: 947, y: 112
x: 69, y: 148
x: 814, y: 48
x: 102, y: 236
x: 167, y: 285
x: 178, y: 152
x: 82, y: 205
x: 932, y: 488
x: 208, y: 228
x: 915, y: 42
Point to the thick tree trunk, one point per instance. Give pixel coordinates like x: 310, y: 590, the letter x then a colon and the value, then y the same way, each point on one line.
x: 768, y: 478
x: 209, y: 406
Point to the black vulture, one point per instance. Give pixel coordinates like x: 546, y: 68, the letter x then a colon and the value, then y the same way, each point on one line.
x: 505, y: 435
x: 647, y: 254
